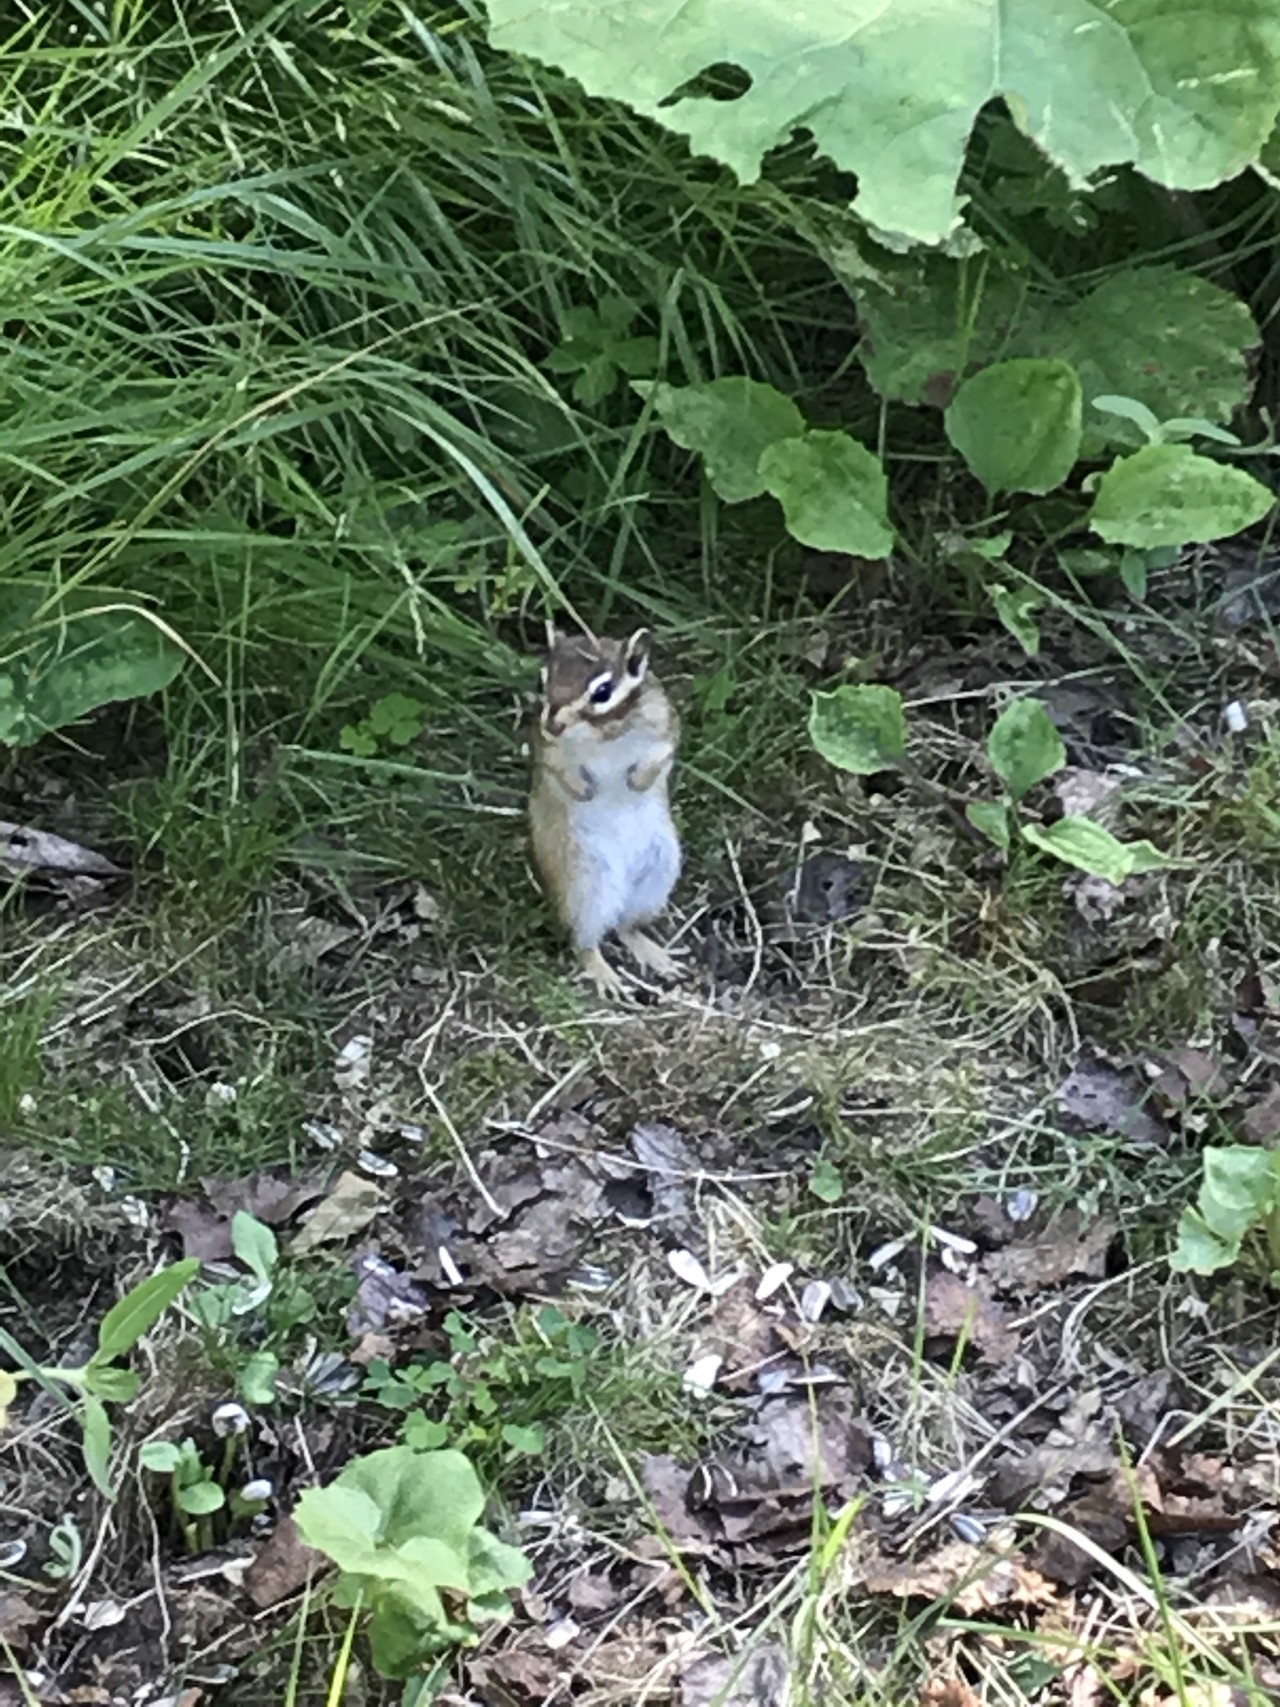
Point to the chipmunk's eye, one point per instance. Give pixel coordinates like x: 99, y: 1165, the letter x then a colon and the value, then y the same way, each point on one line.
x: 602, y: 692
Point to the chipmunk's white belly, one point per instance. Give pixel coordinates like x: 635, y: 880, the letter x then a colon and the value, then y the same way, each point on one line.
x: 626, y: 853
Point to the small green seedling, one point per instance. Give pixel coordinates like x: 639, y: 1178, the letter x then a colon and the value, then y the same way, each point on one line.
x: 66, y: 1550
x: 199, y: 1491
x: 825, y: 1181
x: 393, y: 722
x: 403, y: 1528
x: 1238, y: 1208
x: 275, y: 1300
x: 863, y: 730
x: 102, y: 1379
x: 492, y: 1396
x: 598, y: 346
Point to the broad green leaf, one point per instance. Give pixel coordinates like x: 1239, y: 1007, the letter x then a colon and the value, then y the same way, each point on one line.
x: 524, y: 1438
x: 495, y: 1565
x: 424, y: 1559
x: 1240, y: 1189
x: 1024, y: 747
x: 859, y: 729
x: 95, y: 1443
x: 256, y: 1379
x: 991, y: 817
x: 1158, y: 341
x: 1090, y: 847
x: 1016, y: 607
x: 344, y: 1523
x: 928, y: 320
x: 730, y: 423
x: 126, y: 1322
x: 833, y: 493
x: 1240, y: 1185
x: 424, y: 1433
x: 1158, y: 336
x: 110, y: 1381
x: 1168, y: 495
x: 1199, y: 1249
x: 255, y: 1244
x: 1133, y: 572
x: 401, y: 1633
x: 419, y: 1493
x: 825, y: 1181
x: 162, y: 1456
x: 891, y: 92
x: 201, y: 1499
x: 1017, y: 424
x: 58, y: 673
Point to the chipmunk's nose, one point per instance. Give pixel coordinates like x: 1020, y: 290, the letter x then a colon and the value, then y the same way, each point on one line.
x: 551, y: 723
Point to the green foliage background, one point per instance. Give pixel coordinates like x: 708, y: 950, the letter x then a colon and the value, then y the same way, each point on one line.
x: 329, y: 334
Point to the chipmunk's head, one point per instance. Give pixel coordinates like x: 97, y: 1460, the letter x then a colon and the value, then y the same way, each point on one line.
x: 587, y: 679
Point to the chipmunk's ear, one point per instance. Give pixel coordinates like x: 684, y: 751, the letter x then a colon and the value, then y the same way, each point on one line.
x: 636, y: 653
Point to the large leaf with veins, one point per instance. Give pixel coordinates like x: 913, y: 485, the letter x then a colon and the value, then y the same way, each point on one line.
x: 1185, y: 90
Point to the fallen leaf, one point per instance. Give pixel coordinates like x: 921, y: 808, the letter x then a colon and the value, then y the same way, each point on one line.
x: 24, y: 849
x: 757, y: 1678
x: 1081, y: 1444
x: 205, y: 1228
x: 954, y: 1308
x: 1179, y: 1496
x: 522, y: 1676
x: 949, y: 1692
x: 17, y: 1616
x: 384, y: 1296
x: 282, y: 1567
x: 973, y: 1579
x: 591, y: 1592
x: 1052, y: 1256
x: 1261, y: 1122
x: 1086, y: 793
x: 348, y: 1209
x: 670, y: 1164
x: 1105, y: 1099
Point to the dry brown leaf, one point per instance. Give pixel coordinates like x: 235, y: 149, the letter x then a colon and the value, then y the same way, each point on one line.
x: 206, y: 1228
x: 1261, y: 1122
x: 954, y: 1309
x: 16, y: 1619
x: 522, y: 1676
x: 349, y: 1207
x: 282, y: 1567
x: 757, y: 1678
x: 1048, y: 1258
x: 744, y: 1334
x: 972, y: 1579
x: 1105, y: 1099
x: 591, y: 1592
x: 949, y: 1692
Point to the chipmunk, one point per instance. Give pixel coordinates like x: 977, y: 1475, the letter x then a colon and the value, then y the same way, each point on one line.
x: 603, y: 840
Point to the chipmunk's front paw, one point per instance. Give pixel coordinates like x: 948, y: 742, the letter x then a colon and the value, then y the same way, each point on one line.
x: 607, y: 982
x: 651, y: 956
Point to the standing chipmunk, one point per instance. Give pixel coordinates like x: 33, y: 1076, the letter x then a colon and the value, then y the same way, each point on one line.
x: 603, y: 840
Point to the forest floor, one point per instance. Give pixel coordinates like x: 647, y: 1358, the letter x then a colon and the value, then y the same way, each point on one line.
x: 812, y: 1321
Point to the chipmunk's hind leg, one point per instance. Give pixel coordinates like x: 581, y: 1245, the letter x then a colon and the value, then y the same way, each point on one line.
x: 649, y: 955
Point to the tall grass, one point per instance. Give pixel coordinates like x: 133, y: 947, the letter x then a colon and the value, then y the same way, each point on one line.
x: 277, y: 301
